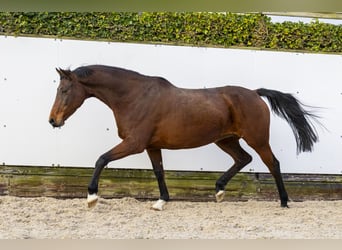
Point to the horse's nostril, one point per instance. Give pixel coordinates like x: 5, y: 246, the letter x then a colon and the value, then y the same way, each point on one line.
x: 52, y: 122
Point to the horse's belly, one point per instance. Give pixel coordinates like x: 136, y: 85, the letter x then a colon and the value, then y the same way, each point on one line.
x: 188, y: 136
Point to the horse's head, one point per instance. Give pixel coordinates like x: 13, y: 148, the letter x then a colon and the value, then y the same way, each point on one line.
x: 70, y: 95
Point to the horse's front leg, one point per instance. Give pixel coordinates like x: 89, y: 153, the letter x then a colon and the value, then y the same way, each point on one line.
x: 125, y: 148
x: 157, y: 163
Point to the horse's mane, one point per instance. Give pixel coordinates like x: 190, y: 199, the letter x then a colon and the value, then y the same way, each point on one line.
x: 86, y: 71
x: 83, y: 72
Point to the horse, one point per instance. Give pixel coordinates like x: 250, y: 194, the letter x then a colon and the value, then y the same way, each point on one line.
x: 153, y: 114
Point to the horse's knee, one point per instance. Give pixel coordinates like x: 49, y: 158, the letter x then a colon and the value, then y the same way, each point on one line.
x: 101, y: 162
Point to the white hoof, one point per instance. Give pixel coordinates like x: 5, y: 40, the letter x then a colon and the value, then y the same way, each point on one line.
x: 92, y: 200
x: 219, y: 196
x: 159, y: 205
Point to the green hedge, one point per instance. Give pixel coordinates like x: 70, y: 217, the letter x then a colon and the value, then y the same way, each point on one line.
x: 198, y: 29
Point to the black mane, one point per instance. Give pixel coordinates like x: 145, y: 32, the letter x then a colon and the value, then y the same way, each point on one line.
x: 86, y: 71
x: 83, y: 72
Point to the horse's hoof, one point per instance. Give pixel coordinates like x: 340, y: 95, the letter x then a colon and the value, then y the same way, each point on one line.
x: 92, y: 200
x: 159, y: 205
x: 219, y: 196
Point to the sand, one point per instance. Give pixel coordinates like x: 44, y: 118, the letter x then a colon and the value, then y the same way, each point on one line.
x: 128, y: 218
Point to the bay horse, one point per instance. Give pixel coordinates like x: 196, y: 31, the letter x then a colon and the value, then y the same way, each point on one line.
x: 152, y: 114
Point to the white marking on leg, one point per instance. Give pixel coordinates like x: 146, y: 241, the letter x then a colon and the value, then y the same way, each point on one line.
x: 159, y: 205
x: 92, y: 200
x: 220, y: 195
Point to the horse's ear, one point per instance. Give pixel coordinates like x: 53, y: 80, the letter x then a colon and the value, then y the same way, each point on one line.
x: 64, y: 73
x: 58, y: 71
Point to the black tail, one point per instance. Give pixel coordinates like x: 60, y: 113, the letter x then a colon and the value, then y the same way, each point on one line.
x: 291, y: 109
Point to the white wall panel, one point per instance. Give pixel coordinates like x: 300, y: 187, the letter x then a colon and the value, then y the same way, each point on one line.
x: 28, y: 83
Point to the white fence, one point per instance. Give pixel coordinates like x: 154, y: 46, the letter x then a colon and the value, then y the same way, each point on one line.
x: 28, y: 83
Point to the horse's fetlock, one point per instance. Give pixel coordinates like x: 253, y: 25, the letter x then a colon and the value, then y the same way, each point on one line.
x: 219, y: 185
x: 92, y: 189
x: 165, y: 197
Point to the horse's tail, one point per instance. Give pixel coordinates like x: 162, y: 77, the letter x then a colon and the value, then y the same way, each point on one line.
x: 288, y: 107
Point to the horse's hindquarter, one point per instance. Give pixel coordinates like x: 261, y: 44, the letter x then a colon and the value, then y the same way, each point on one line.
x: 250, y: 114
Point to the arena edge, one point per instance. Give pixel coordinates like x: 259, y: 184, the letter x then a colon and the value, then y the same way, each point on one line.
x: 66, y: 182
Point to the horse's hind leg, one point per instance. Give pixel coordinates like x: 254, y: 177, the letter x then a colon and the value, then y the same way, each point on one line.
x: 157, y: 163
x: 241, y: 158
x: 272, y: 163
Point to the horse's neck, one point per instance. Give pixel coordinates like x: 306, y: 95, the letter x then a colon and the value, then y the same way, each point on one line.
x: 115, y: 91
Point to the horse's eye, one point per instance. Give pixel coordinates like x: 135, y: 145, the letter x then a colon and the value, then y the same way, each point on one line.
x: 62, y: 90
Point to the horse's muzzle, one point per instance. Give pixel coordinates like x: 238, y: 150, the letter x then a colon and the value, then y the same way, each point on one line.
x: 55, y: 124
